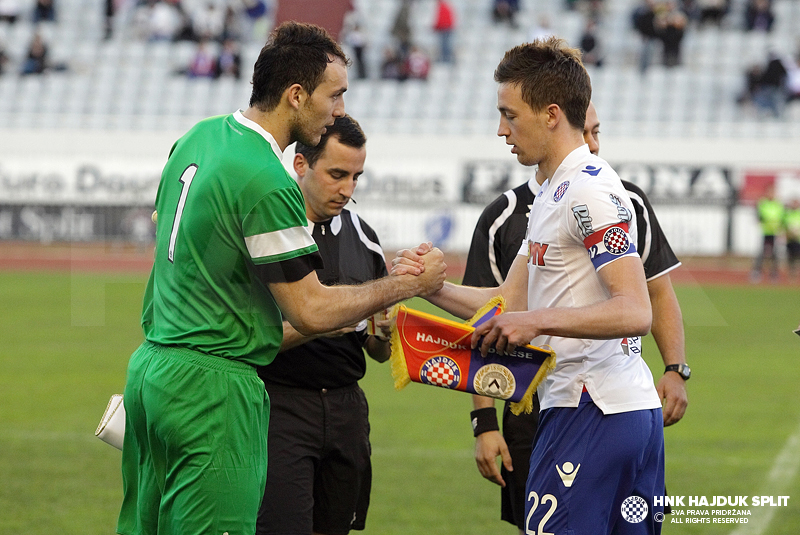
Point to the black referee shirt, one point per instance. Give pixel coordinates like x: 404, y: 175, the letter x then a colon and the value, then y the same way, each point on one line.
x: 503, y: 225
x: 351, y: 254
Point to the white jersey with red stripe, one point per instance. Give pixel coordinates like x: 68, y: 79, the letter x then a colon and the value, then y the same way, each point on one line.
x: 581, y: 221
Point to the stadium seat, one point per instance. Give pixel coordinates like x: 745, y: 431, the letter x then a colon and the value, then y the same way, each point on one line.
x: 136, y: 79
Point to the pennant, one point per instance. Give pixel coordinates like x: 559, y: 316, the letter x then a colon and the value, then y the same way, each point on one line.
x: 431, y: 350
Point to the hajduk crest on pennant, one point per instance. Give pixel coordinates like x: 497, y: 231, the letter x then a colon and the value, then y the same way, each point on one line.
x: 431, y: 350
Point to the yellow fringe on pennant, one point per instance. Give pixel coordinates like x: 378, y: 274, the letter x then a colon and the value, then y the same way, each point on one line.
x: 400, y: 369
x: 496, y: 300
x: 396, y: 360
x: 526, y: 403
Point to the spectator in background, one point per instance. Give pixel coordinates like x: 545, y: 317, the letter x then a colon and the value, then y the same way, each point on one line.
x: 185, y: 31
x: 770, y: 91
x: 541, y: 30
x: 9, y: 11
x: 232, y: 24
x: 203, y: 64
x: 401, y: 27
x: 671, y: 26
x: 229, y: 61
x: 759, y: 16
x: 392, y: 65
x: 356, y: 38
x: 590, y: 45
x: 506, y: 11
x: 160, y: 21
x: 417, y: 64
x: 110, y: 11
x: 209, y: 22
x: 791, y: 226
x: 644, y: 21
x: 712, y: 11
x: 255, y: 12
x: 36, y: 60
x: 752, y: 79
x: 594, y: 10
x: 3, y: 57
x: 770, y: 217
x: 44, y: 11
x: 444, y: 26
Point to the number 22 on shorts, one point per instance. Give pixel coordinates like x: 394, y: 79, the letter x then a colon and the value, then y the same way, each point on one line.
x: 186, y: 179
x: 547, y: 498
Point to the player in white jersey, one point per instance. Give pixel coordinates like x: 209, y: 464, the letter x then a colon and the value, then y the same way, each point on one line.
x: 578, y: 285
x: 582, y: 209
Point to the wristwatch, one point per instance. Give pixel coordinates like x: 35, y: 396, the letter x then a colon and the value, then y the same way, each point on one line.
x: 683, y: 370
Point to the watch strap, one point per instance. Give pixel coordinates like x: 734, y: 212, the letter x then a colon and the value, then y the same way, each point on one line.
x: 679, y: 368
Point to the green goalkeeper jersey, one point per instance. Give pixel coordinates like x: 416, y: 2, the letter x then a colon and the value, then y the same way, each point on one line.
x: 230, y: 219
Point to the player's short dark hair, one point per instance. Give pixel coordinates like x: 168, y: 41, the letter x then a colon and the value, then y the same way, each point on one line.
x: 296, y: 53
x: 548, y: 72
x: 345, y: 129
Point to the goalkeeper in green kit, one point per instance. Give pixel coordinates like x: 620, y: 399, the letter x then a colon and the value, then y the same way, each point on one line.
x: 233, y: 258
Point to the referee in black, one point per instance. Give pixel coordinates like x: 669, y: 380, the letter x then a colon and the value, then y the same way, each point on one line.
x: 319, y: 473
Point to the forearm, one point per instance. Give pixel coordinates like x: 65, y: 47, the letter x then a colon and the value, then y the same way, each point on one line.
x: 312, y: 308
x: 617, y: 317
x: 668, y: 333
x: 626, y: 312
x: 462, y: 301
x: 667, y: 326
x: 482, y: 402
x: 378, y: 350
x: 292, y: 338
x: 333, y: 307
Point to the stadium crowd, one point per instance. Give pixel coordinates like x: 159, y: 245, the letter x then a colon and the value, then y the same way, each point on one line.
x: 219, y: 30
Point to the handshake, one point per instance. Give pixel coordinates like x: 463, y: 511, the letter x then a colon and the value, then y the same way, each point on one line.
x: 425, y: 262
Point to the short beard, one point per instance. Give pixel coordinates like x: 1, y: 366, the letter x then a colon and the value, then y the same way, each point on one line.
x: 299, y: 132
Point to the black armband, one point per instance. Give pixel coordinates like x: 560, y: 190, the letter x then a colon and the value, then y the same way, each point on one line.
x: 484, y: 420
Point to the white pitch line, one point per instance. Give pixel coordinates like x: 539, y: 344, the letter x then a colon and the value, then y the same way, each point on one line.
x: 783, y: 472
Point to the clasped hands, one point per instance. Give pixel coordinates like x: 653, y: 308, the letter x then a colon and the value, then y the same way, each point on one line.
x: 501, y: 334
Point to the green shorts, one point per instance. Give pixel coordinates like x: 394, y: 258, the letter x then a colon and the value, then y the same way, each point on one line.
x: 194, y: 460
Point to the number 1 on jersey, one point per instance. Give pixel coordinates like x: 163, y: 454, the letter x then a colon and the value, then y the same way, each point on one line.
x: 186, y: 180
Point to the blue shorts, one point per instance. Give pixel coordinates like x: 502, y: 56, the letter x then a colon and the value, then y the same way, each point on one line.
x: 594, y: 474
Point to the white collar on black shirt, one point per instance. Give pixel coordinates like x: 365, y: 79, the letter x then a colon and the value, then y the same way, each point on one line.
x: 533, y: 185
x: 335, y: 225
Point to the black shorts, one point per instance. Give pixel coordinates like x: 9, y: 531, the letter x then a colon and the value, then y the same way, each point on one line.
x: 793, y: 251
x: 319, y: 473
x: 518, y: 432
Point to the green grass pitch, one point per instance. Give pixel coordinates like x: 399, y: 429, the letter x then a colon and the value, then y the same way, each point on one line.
x: 66, y: 338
